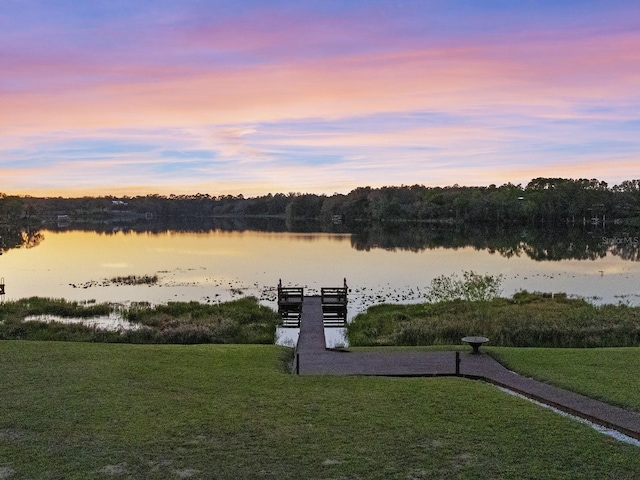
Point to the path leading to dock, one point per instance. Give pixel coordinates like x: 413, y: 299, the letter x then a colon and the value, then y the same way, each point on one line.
x: 313, y: 358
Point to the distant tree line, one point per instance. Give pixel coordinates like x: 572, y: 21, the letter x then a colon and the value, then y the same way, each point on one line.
x: 510, y: 220
x: 542, y: 202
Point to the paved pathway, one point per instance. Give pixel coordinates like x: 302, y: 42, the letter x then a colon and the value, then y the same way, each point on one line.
x: 313, y: 358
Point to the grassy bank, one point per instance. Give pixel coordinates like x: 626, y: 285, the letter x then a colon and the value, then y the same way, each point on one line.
x: 608, y: 374
x: 526, y: 320
x: 239, y: 321
x: 81, y: 410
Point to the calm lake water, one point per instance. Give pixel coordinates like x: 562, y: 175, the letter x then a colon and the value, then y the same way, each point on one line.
x: 221, y: 265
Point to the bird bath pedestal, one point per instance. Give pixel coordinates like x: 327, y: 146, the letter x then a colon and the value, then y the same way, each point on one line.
x: 475, y: 342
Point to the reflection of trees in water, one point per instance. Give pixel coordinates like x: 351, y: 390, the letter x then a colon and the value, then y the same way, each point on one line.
x: 627, y: 251
x: 557, y: 245
x: 191, y: 225
x: 537, y: 244
x: 12, y: 236
x: 182, y: 225
x: 17, y: 237
x: 32, y: 238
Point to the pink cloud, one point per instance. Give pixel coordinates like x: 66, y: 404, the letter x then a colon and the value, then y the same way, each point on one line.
x: 451, y: 79
x: 214, y: 82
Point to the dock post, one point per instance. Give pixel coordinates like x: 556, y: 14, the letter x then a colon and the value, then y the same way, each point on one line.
x: 457, y: 363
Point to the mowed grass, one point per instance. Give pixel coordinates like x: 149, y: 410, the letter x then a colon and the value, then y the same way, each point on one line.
x: 609, y: 374
x: 90, y: 410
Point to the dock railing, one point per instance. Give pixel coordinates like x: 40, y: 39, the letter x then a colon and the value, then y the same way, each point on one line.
x: 333, y: 299
x: 334, y: 305
x: 290, y: 304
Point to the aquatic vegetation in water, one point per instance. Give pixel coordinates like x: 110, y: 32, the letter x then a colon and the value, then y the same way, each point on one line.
x: 472, y: 287
x: 126, y: 280
x: 135, y: 280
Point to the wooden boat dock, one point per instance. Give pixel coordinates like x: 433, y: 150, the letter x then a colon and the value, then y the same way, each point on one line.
x: 330, y: 306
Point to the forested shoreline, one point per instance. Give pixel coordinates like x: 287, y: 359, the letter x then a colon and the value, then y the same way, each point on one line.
x: 550, y: 202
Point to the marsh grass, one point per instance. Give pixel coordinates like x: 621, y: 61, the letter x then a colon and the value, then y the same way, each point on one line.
x: 525, y: 320
x: 14, y: 310
x: 79, y: 410
x: 238, y: 321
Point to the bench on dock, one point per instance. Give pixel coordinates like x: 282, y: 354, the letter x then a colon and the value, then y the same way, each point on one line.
x: 290, y: 296
x: 332, y: 299
x: 334, y: 305
x: 290, y: 304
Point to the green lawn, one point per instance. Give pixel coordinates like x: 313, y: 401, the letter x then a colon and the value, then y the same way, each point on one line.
x: 83, y: 410
x: 609, y: 374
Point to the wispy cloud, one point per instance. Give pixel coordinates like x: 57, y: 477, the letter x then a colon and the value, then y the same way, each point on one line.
x: 320, y: 97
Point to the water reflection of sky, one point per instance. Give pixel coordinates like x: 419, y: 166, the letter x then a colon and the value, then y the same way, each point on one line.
x: 334, y: 337
x: 218, y: 266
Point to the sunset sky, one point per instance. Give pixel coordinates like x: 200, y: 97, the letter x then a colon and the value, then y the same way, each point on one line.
x: 228, y: 97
